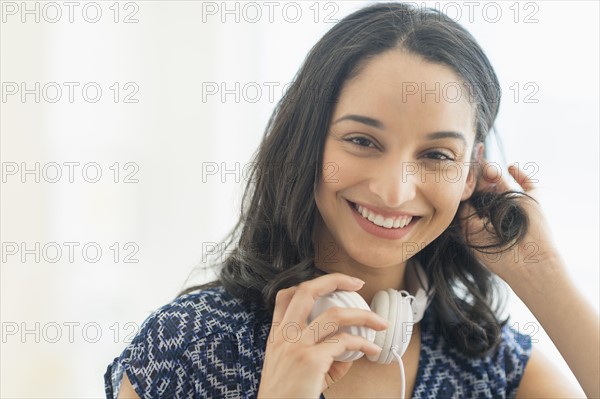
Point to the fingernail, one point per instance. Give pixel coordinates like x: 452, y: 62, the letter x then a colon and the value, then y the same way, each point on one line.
x: 357, y: 280
x: 377, y: 348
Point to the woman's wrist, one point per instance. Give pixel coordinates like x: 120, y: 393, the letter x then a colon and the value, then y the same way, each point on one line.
x: 537, y: 278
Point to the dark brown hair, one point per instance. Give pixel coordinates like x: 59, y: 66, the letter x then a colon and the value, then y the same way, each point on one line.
x: 271, y: 247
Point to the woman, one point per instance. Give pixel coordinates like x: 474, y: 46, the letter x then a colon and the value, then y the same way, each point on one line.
x: 373, y: 165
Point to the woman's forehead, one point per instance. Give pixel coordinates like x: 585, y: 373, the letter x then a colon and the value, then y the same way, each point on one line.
x: 401, y: 89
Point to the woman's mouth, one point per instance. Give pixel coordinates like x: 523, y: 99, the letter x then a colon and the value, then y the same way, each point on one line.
x: 384, y: 227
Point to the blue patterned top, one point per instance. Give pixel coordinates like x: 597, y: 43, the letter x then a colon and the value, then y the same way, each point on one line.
x: 209, y: 344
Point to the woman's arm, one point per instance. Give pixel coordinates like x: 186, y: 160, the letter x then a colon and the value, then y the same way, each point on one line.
x: 541, y: 280
x: 572, y: 324
x: 542, y: 379
x: 126, y: 390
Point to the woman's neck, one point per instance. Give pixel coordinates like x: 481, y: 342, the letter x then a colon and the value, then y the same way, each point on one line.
x: 376, y: 279
x: 331, y: 258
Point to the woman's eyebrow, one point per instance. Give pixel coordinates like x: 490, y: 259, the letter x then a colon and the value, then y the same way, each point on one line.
x: 379, y: 125
x: 361, y: 119
x: 447, y: 134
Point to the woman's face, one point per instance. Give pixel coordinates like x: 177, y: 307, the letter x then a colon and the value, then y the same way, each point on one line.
x: 399, y: 143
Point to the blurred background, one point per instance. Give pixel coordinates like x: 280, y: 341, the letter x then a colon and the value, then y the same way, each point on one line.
x: 126, y: 128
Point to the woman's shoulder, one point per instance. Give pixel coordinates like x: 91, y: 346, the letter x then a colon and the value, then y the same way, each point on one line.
x: 448, y: 372
x: 199, y: 316
x: 202, y: 313
x: 186, y: 339
x: 514, y: 344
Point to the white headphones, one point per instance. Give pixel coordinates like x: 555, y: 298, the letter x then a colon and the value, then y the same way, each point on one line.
x: 399, y: 308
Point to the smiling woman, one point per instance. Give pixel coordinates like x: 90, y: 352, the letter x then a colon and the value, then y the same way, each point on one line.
x: 375, y: 155
x: 390, y: 195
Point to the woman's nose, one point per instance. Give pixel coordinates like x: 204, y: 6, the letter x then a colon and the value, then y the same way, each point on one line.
x: 396, y: 183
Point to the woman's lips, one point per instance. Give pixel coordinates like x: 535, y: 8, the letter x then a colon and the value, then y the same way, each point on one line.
x: 378, y: 231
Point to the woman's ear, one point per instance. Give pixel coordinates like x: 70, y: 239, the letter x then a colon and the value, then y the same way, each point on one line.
x: 473, y: 175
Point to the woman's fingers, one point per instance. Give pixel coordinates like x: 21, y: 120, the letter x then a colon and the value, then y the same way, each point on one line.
x: 521, y: 177
x: 307, y: 292
x: 492, y: 178
x: 282, y: 301
x: 343, y: 342
x: 329, y: 323
x: 300, y: 359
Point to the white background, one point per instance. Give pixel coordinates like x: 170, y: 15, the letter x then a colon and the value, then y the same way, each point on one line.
x: 170, y: 215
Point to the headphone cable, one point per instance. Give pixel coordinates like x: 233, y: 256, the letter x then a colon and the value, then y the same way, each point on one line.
x: 402, y: 385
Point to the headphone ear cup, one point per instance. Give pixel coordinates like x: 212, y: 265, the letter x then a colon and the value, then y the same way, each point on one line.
x: 404, y: 323
x: 396, y: 308
x: 385, y: 305
x: 344, y: 299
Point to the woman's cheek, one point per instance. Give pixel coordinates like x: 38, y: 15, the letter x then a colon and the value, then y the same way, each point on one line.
x: 340, y: 170
x: 445, y: 195
x: 453, y: 172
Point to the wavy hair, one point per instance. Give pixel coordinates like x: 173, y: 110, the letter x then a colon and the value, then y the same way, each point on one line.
x: 271, y: 246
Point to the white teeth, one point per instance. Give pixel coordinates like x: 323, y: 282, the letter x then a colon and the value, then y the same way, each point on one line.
x: 388, y: 223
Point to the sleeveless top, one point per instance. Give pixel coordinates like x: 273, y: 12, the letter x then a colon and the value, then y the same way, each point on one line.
x: 209, y: 344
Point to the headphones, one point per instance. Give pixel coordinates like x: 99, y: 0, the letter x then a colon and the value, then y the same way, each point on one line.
x: 399, y: 308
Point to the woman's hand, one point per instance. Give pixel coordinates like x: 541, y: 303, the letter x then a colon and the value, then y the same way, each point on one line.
x: 537, y: 274
x: 537, y: 249
x: 299, y: 358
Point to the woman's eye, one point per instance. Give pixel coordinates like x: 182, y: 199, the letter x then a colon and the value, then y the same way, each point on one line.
x: 440, y: 156
x: 362, y: 142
